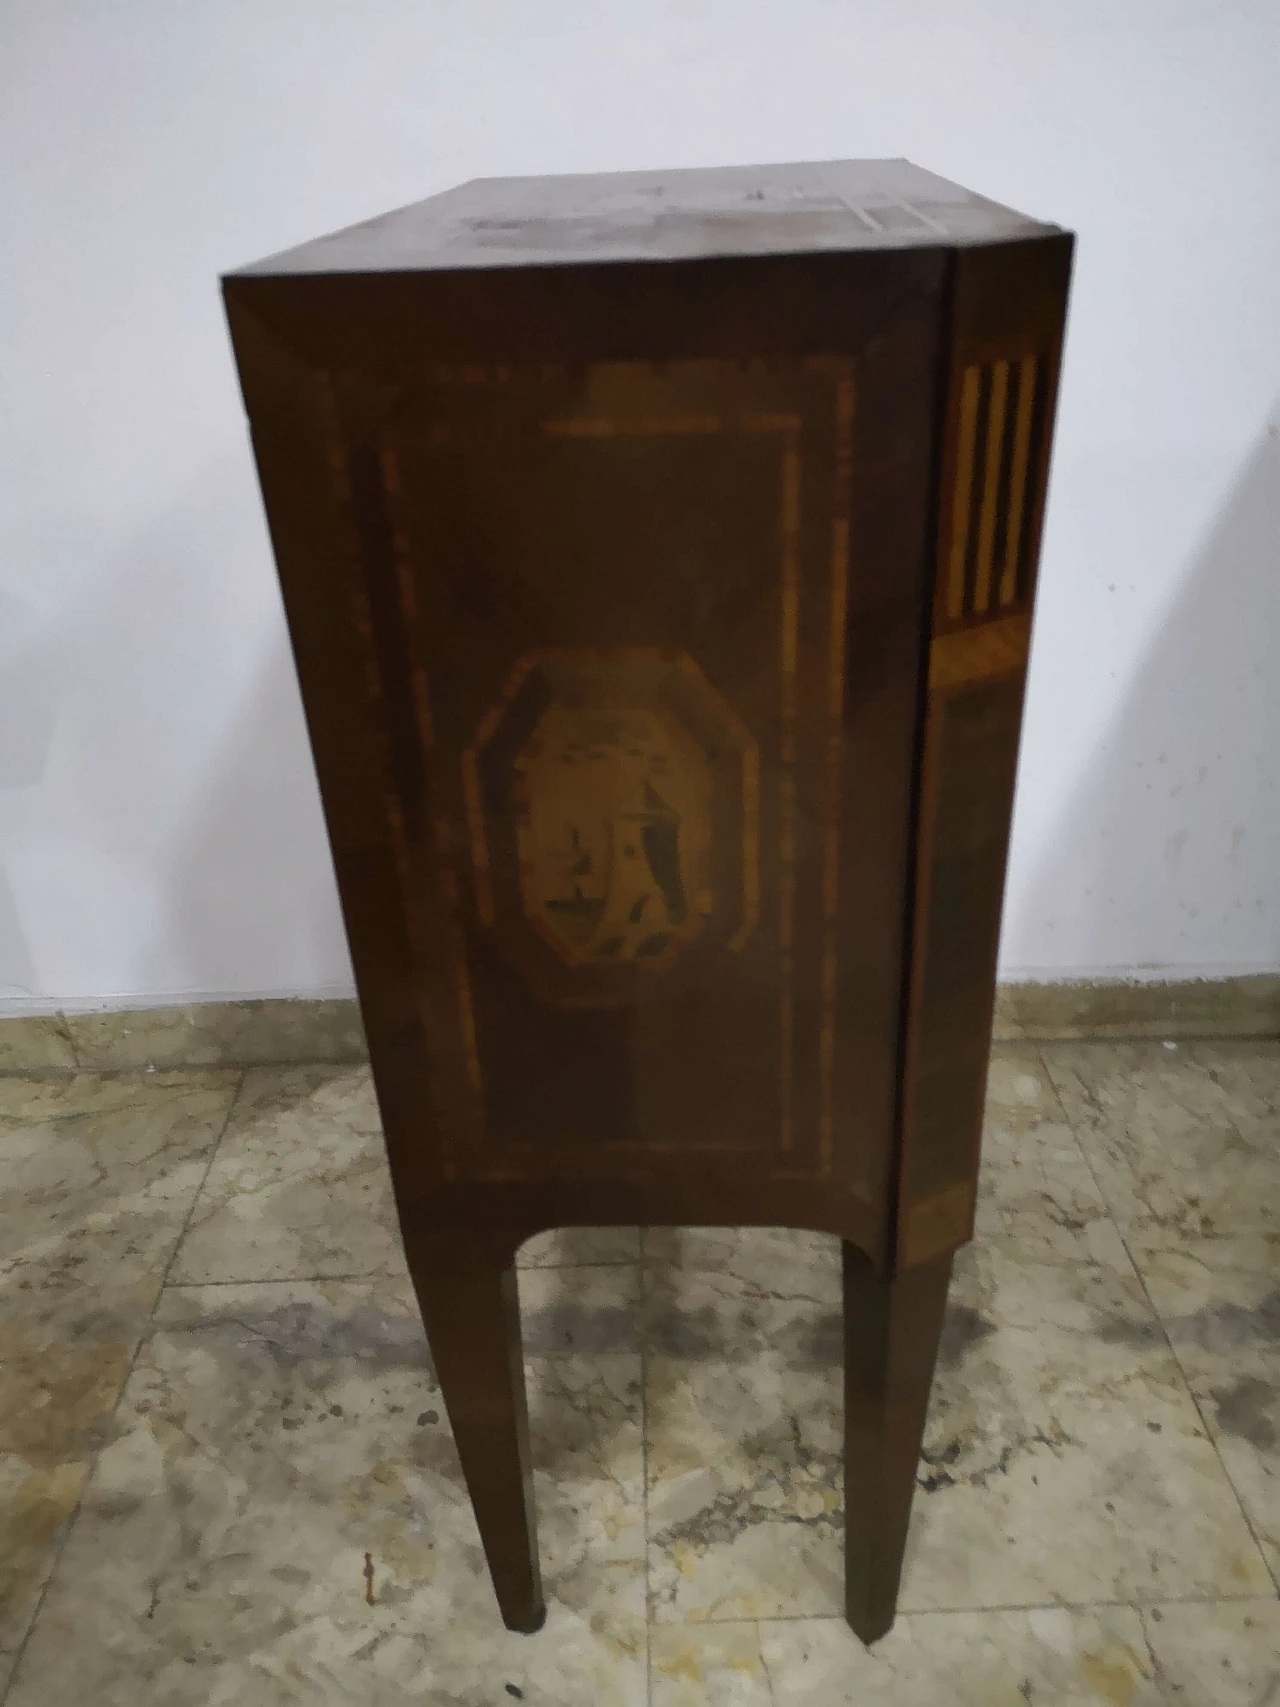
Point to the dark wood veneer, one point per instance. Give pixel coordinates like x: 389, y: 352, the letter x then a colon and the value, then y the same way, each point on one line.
x: 658, y: 552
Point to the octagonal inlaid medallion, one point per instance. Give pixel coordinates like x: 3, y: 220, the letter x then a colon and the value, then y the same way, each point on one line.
x: 612, y: 799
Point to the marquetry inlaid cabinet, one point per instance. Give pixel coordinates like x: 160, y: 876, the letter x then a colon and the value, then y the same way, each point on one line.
x: 659, y: 552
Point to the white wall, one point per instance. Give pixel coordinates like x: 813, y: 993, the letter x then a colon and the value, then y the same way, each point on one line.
x: 159, y: 829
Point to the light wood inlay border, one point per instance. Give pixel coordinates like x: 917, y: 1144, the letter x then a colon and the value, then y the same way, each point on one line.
x: 837, y: 618
x: 788, y: 426
x: 999, y: 419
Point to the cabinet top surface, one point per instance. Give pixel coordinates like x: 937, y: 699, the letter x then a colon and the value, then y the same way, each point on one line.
x: 690, y: 214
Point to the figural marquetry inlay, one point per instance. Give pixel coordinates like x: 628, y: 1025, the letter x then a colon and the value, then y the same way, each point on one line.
x: 613, y: 805
x: 613, y: 831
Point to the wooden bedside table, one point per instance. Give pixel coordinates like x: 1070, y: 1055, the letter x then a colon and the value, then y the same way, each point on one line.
x: 658, y: 551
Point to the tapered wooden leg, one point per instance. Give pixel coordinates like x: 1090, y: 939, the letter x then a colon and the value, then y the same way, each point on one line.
x: 891, y: 1330
x: 467, y: 1295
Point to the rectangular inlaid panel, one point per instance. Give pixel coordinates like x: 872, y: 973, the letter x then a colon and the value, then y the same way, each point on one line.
x: 616, y: 611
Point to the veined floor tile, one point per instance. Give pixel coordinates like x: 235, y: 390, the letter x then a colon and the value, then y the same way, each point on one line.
x: 281, y: 1517
x: 278, y: 1516
x: 1037, y: 1197
x: 1217, y: 1654
x: 220, y: 1034
x: 42, y: 1042
x: 1224, y: 1325
x: 565, y: 1247
x: 1048, y: 1657
x: 97, y: 1173
x: 63, y: 1361
x: 751, y: 1267
x: 1183, y: 1143
x: 1064, y: 1459
x: 300, y: 1187
x: 744, y: 1397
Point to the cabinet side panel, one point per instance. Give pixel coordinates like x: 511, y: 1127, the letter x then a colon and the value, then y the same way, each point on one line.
x: 391, y: 919
x: 1006, y: 340
x: 612, y: 673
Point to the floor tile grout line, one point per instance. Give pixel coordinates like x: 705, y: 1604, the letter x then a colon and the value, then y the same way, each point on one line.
x: 1138, y: 1606
x: 42, y: 1072
x: 1157, y: 1670
x: 1212, y: 1267
x: 553, y: 1267
x: 372, y: 1274
x: 1117, y: 1221
x: 282, y: 1280
x: 143, y: 1337
x: 116, y: 1069
x: 1135, y: 1039
x: 52, y: 1075
x: 1085, y: 1157
x: 1210, y: 1435
x: 764, y: 1663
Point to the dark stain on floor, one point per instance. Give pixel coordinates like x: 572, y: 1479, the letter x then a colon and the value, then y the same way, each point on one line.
x: 963, y: 1329
x: 1227, y: 1326
x: 301, y: 1332
x: 568, y: 1326
x: 813, y: 1340
x: 1243, y: 1410
x: 1138, y: 1332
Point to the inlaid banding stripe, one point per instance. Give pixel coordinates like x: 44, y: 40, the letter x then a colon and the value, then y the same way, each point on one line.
x: 966, y: 433
x: 999, y: 427
x: 789, y: 636
x: 1018, y: 478
x: 999, y: 387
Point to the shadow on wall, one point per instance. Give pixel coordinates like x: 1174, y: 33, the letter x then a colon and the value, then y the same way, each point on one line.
x: 1169, y: 851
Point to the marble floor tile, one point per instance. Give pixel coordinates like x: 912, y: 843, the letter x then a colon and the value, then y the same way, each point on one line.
x: 1048, y: 1657
x: 300, y: 1188
x: 758, y: 1266
x: 1037, y: 1196
x: 97, y: 1173
x: 38, y: 1042
x: 221, y: 1034
x: 280, y: 1516
x: 1064, y: 1461
x: 743, y: 1390
x: 565, y: 1247
x: 1224, y: 1325
x: 63, y: 1362
x: 1221, y: 1654
x: 1183, y: 1143
x: 279, y: 1429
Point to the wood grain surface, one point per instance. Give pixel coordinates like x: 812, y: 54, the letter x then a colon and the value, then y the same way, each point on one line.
x: 659, y: 557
